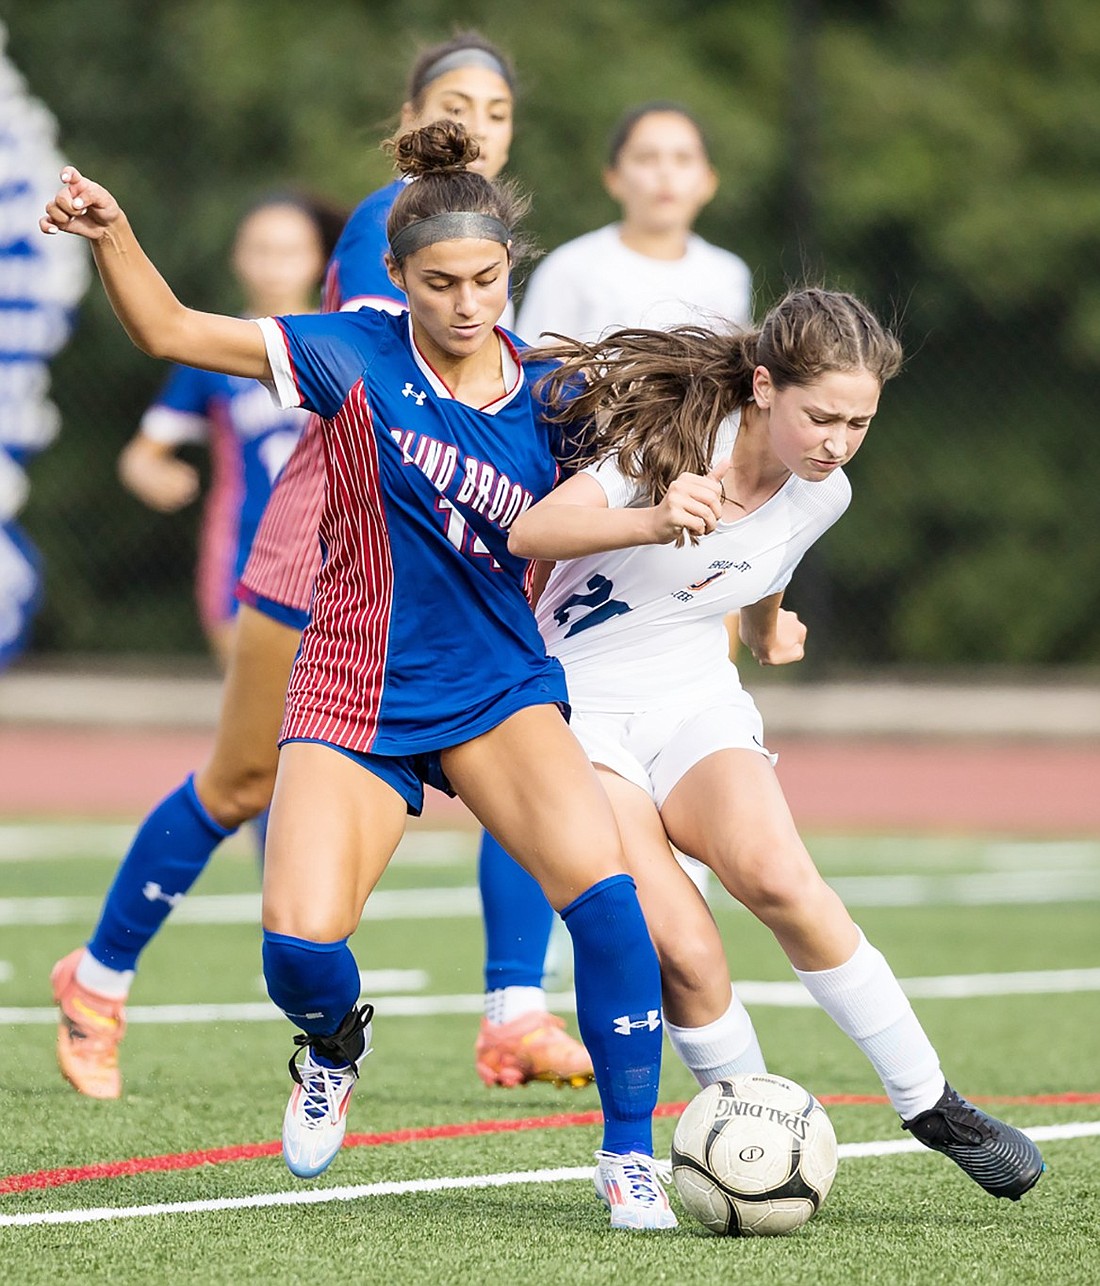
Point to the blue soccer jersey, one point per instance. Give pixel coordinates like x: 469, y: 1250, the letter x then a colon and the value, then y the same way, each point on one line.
x: 249, y: 440
x: 357, y: 276
x: 421, y: 635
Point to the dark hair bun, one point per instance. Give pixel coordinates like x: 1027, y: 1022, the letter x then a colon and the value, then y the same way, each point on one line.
x: 444, y: 147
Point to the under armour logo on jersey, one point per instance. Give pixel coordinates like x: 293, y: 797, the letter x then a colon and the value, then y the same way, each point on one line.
x: 637, y: 1022
x: 154, y: 893
x: 409, y: 391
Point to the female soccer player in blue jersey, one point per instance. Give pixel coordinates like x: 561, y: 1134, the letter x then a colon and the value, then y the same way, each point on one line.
x: 715, y: 462
x: 433, y: 446
x: 465, y: 79
x: 278, y: 260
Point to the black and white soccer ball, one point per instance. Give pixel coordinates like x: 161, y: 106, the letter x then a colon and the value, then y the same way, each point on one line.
x: 753, y: 1155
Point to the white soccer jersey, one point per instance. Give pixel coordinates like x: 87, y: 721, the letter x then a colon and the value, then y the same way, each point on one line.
x: 642, y: 628
x: 595, y: 284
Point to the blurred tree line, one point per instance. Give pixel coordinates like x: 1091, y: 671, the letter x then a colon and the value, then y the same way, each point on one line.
x: 940, y: 157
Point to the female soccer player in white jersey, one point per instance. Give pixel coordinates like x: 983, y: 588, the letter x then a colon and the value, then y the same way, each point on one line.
x: 650, y: 268
x: 715, y: 462
x: 433, y: 444
x: 465, y: 79
x: 279, y: 254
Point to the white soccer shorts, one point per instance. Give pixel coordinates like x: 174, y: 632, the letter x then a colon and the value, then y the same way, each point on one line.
x: 655, y: 748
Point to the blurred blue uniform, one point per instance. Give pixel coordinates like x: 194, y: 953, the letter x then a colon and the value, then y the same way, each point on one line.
x: 249, y: 440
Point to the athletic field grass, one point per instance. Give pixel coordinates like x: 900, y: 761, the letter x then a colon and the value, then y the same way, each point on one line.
x: 998, y: 942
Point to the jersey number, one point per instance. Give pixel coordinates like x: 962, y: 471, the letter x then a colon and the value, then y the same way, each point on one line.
x: 459, y: 533
x: 602, y: 606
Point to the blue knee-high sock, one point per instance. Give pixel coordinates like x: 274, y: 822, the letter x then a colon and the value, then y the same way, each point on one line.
x: 313, y: 983
x: 517, y: 918
x: 618, y: 983
x: 259, y: 829
x: 166, y: 857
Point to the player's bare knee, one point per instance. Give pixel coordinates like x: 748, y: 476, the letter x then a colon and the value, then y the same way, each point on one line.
x: 771, y: 888
x: 235, y: 798
x: 688, y: 962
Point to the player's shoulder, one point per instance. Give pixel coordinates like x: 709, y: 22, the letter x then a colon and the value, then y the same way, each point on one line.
x: 583, y: 251
x: 534, y: 368
x: 717, y: 257
x: 825, y: 500
x: 375, y: 204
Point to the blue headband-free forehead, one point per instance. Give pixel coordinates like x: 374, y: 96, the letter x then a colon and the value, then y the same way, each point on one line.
x: 457, y: 58
x: 450, y: 226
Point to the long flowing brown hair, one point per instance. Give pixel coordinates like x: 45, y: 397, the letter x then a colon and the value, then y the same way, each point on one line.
x: 655, y: 399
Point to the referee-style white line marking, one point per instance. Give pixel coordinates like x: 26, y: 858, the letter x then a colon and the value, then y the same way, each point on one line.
x: 1000, y: 888
x: 397, y: 1188
x: 781, y: 995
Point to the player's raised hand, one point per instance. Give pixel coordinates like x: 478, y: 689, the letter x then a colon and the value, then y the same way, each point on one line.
x: 691, y: 506
x: 80, y: 206
x: 784, y: 643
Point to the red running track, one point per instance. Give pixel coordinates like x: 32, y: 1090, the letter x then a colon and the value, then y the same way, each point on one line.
x: 1009, y: 787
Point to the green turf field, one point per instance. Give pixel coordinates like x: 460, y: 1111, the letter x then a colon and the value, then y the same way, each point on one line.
x: 961, y: 910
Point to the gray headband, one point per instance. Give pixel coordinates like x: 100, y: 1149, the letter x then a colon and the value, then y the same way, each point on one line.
x: 451, y: 226
x: 472, y: 57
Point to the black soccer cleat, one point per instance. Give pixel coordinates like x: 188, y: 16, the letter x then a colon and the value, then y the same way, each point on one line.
x: 998, y: 1157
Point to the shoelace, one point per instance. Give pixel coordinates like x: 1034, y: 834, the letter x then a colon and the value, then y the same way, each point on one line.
x: 322, y: 1090
x: 644, y: 1177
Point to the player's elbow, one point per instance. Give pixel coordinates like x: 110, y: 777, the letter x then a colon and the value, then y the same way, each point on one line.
x: 521, y: 538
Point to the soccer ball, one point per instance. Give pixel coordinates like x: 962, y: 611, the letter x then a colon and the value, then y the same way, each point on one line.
x: 754, y: 1155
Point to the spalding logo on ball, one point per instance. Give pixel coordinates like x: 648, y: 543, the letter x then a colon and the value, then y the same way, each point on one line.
x: 754, y: 1155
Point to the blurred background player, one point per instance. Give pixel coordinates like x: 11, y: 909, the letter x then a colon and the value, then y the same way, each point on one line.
x: 465, y: 79
x: 649, y: 268
x: 278, y: 260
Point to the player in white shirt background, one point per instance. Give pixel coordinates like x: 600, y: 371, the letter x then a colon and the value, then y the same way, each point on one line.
x: 714, y: 462
x: 649, y: 268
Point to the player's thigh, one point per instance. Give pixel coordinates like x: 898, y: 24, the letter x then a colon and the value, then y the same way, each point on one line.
x: 729, y: 811
x: 237, y: 780
x: 531, y: 785
x: 334, y: 825
x: 693, y: 963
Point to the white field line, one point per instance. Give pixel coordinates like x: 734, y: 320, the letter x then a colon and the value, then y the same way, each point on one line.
x: 402, y: 1187
x: 781, y: 995
x: 464, y: 902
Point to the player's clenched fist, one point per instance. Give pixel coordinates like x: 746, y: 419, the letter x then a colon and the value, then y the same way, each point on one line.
x: 80, y: 206
x: 692, y: 506
x: 783, y: 643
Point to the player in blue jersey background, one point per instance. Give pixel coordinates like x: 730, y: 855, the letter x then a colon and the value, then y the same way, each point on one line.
x: 278, y: 260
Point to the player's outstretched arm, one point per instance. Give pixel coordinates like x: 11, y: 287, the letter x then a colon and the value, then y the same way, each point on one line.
x: 143, y: 301
x: 574, y: 519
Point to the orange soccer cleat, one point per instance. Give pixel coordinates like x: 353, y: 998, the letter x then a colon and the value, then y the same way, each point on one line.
x: 89, y: 1033
x: 532, y: 1047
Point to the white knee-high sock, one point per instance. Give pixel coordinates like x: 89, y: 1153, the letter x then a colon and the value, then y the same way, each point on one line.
x: 864, y: 999
x: 725, y: 1047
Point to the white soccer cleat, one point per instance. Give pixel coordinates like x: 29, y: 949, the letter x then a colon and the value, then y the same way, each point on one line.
x: 632, y: 1186
x: 316, y: 1117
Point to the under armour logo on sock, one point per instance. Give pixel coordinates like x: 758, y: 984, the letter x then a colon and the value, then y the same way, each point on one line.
x: 409, y: 391
x: 638, y: 1022
x: 155, y: 893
